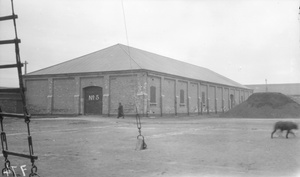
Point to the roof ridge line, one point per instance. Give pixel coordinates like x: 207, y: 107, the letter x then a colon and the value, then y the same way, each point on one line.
x: 129, y: 55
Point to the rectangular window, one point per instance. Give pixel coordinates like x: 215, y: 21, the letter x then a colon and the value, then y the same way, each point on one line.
x: 203, y: 98
x: 152, y: 94
x: 181, y: 96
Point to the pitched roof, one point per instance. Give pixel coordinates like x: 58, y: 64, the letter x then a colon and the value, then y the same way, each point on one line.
x: 120, y: 57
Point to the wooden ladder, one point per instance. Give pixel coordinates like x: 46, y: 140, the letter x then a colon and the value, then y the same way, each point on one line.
x: 21, y: 90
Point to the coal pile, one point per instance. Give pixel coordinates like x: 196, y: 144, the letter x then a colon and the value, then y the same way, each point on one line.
x: 265, y: 105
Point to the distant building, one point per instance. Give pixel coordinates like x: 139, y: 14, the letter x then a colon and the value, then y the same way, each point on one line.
x: 10, y: 102
x: 292, y: 90
x: 287, y: 89
x: 142, y: 81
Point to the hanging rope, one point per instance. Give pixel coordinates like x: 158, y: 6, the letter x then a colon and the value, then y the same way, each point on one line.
x: 124, y: 18
x: 141, y: 145
x: 140, y: 138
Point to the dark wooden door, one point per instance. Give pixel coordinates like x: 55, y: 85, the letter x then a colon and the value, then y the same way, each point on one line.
x: 93, y: 100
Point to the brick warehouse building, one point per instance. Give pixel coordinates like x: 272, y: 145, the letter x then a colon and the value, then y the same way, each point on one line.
x: 142, y: 81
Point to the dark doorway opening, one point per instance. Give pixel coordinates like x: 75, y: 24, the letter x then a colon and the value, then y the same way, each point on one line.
x: 93, y: 100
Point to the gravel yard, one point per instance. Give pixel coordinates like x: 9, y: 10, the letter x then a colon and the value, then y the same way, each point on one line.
x: 177, y: 147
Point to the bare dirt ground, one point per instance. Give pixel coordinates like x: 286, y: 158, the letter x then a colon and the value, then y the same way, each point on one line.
x: 177, y: 147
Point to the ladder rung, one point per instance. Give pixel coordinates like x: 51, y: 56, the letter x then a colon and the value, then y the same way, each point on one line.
x: 5, y: 152
x: 6, y: 114
x: 10, y: 66
x: 10, y: 90
x: 10, y: 17
x: 10, y: 41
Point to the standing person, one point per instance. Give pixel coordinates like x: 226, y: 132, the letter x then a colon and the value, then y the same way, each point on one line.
x: 120, y: 111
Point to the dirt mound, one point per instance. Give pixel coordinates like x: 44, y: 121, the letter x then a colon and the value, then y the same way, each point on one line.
x: 265, y: 105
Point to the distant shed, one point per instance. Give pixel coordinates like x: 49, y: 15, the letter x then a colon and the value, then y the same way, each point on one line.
x: 142, y: 81
x: 292, y: 89
x: 10, y: 102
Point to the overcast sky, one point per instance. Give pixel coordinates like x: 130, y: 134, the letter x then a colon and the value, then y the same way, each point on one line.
x: 247, y: 41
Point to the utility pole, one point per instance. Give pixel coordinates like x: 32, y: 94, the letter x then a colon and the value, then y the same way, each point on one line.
x: 25, y: 66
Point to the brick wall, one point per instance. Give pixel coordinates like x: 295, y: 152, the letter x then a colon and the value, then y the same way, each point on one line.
x: 11, y: 102
x: 154, y: 108
x: 169, y: 96
x: 65, y: 95
x: 226, y: 99
x: 193, y: 98
x: 203, y: 89
x: 232, y: 101
x: 182, y: 106
x: 37, y: 96
x: 123, y: 89
x: 212, y: 97
x: 219, y: 99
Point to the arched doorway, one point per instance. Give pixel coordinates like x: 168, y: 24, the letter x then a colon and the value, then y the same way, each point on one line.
x: 93, y: 100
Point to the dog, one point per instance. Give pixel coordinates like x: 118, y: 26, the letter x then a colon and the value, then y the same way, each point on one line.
x: 285, y: 125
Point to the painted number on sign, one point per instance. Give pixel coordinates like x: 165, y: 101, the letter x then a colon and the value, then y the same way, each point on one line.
x: 94, y: 97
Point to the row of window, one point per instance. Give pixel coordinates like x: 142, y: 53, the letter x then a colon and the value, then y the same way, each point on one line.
x: 153, y: 96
